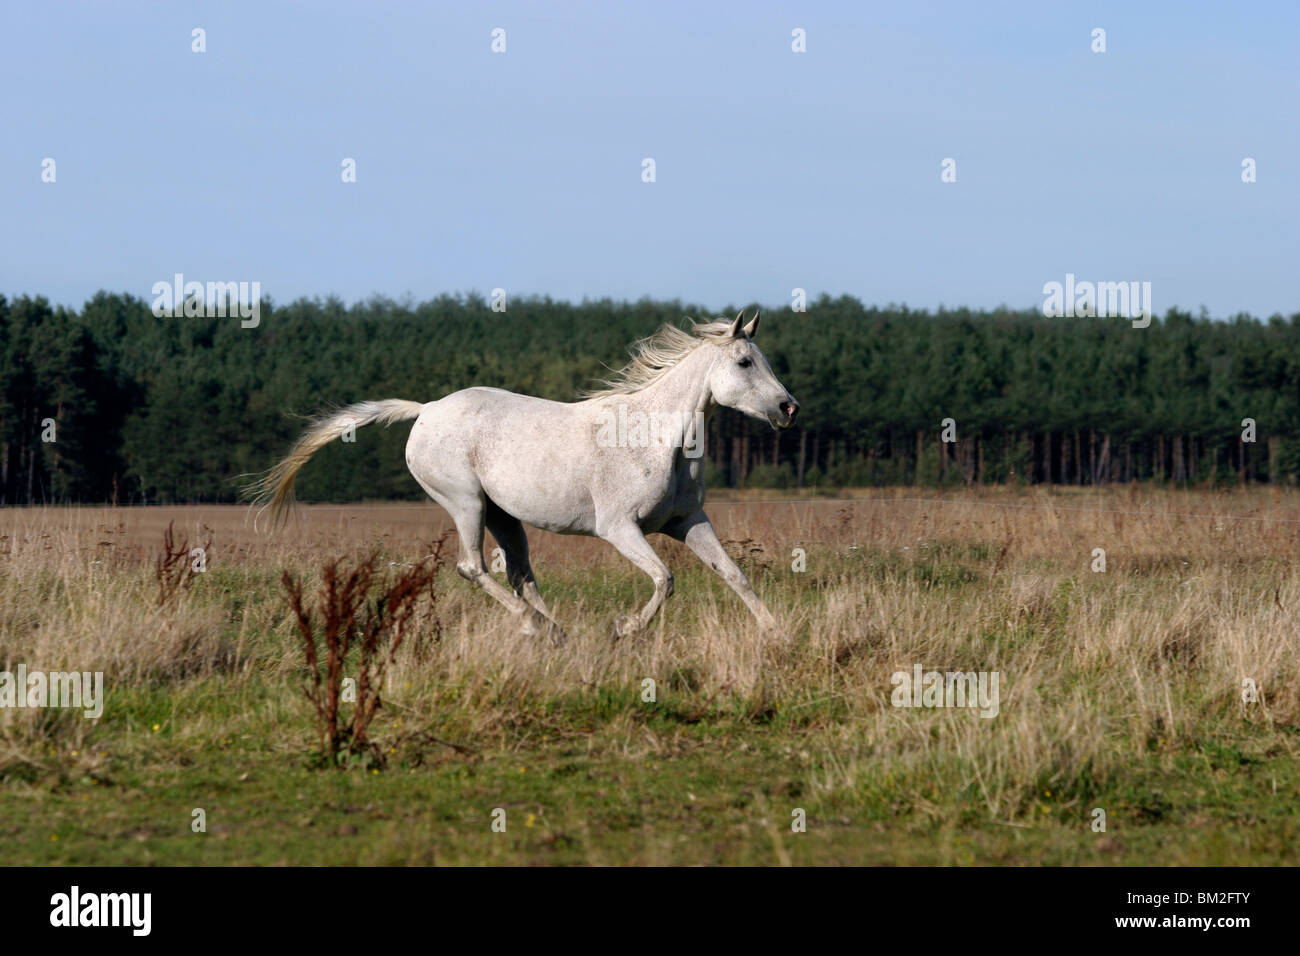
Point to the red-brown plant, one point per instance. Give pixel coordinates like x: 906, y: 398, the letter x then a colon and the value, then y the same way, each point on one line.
x: 364, y: 611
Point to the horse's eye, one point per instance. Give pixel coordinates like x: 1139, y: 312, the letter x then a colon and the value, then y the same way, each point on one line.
x: 745, y: 363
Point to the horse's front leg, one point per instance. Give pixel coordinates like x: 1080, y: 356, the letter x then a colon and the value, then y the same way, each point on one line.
x: 631, y: 543
x: 696, y: 532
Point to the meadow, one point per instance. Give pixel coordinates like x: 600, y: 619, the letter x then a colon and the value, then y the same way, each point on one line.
x: 1126, y: 690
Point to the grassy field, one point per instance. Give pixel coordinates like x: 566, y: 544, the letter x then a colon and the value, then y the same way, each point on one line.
x: 1120, y: 690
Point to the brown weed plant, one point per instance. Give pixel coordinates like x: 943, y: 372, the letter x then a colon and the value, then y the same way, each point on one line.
x: 361, y: 610
x: 173, y: 569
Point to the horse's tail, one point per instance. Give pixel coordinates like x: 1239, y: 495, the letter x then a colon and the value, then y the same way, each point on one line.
x: 274, y: 489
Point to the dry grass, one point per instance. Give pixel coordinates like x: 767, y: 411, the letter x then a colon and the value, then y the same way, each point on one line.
x: 1108, y: 680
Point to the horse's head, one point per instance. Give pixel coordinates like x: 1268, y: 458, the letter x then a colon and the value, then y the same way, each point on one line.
x: 742, y: 379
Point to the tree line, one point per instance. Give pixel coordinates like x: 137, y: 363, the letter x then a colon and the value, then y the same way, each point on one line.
x: 113, y: 404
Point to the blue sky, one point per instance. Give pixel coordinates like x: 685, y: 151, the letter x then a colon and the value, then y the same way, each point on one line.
x: 774, y: 170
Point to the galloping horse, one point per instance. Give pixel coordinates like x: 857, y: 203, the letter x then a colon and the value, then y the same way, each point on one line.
x: 499, y: 460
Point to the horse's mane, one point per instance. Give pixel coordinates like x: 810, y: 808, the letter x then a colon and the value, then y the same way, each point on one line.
x: 655, y: 354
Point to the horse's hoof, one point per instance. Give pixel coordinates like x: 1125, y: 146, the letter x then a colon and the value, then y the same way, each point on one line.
x: 625, y: 626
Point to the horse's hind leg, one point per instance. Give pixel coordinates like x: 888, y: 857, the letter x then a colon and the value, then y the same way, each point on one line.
x: 510, y: 535
x: 467, y: 511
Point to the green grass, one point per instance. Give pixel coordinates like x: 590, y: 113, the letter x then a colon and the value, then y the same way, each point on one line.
x: 605, y: 778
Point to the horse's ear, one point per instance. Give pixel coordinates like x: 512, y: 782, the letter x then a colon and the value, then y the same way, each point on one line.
x: 753, y: 326
x: 735, y: 326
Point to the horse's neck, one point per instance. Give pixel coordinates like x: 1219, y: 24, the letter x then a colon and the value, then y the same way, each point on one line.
x: 683, y: 389
x: 683, y: 392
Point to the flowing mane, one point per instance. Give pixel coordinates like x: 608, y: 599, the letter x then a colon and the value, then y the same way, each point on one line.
x: 655, y: 354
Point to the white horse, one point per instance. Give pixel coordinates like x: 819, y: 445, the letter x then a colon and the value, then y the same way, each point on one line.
x: 499, y: 460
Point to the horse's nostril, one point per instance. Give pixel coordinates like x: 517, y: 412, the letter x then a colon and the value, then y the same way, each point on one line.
x: 790, y: 409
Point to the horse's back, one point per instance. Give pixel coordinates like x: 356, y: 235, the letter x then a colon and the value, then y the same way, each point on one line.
x: 478, y: 415
x: 496, y: 400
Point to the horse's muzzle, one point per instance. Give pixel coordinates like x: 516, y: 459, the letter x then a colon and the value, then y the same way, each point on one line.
x: 790, y: 409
